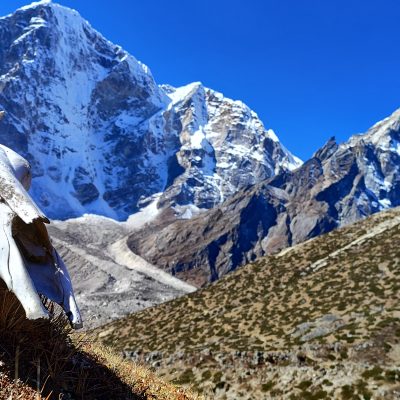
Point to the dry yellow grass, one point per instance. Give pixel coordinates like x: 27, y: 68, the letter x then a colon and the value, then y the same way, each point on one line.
x: 43, y: 360
x: 137, y: 376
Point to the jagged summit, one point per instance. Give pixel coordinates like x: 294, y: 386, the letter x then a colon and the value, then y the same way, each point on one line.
x: 384, y: 134
x: 326, y: 150
x: 38, y: 3
x: 104, y: 138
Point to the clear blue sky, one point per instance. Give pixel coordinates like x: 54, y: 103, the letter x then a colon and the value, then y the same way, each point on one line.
x: 310, y: 68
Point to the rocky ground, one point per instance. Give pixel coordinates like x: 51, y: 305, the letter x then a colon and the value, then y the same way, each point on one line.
x: 109, y: 280
x: 309, y: 372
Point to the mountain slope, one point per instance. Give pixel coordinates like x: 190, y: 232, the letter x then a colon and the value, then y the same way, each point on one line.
x: 104, y: 138
x: 42, y: 359
x: 339, y: 185
x: 318, y: 320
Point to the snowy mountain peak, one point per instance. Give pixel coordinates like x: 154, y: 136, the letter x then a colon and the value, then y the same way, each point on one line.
x: 35, y: 4
x: 104, y: 138
x: 184, y: 92
x: 384, y: 129
x: 75, y: 31
x: 384, y: 135
x: 224, y: 147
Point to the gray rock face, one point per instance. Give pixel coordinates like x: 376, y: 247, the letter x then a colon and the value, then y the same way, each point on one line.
x: 339, y: 185
x: 224, y: 146
x: 103, y: 137
x: 80, y: 109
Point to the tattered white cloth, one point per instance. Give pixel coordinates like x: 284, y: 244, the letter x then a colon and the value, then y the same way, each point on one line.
x: 29, y: 264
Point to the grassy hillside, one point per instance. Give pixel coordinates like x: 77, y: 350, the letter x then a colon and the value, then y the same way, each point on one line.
x: 319, y: 320
x: 43, y: 360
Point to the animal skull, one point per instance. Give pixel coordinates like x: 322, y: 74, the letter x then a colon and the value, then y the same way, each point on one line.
x: 29, y: 264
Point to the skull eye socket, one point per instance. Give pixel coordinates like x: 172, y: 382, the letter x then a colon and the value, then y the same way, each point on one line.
x: 32, y: 240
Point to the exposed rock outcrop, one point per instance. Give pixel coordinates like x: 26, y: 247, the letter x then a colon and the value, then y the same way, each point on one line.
x: 340, y: 184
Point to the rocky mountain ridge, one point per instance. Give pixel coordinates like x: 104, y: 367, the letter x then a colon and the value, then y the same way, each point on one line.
x: 339, y: 185
x: 104, y: 138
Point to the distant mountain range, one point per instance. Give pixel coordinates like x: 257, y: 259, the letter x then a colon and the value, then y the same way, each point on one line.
x: 205, y: 187
x: 104, y: 138
x: 340, y: 184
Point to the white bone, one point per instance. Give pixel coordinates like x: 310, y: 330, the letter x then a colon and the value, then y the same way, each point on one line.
x: 29, y: 265
x: 12, y: 190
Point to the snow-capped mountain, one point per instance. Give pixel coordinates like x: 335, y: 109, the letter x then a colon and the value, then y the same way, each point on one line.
x: 379, y: 161
x: 340, y: 184
x: 104, y: 138
x: 223, y: 146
